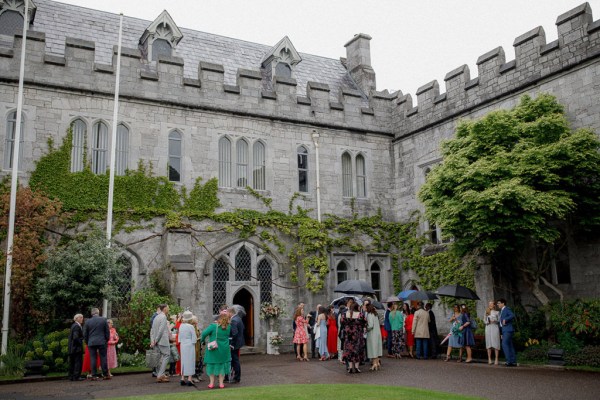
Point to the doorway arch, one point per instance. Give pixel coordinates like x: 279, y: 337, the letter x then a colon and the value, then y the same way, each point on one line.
x: 244, y: 298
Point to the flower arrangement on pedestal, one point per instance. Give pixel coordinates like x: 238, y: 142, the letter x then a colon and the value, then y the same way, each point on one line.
x: 272, y: 311
x: 277, y: 340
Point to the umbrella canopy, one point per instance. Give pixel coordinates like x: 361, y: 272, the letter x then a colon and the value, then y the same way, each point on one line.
x: 458, y: 291
x: 392, y: 299
x: 420, y: 295
x: 375, y: 303
x: 403, y: 295
x: 354, y: 286
x: 342, y: 300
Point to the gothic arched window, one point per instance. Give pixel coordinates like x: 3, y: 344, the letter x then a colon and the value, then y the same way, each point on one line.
x: 220, y: 278
x: 342, y: 272
x: 264, y: 274
x: 243, y: 265
x: 79, y: 132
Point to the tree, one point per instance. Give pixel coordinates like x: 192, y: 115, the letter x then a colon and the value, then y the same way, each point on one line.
x: 79, y: 275
x: 34, y: 212
x: 514, y: 179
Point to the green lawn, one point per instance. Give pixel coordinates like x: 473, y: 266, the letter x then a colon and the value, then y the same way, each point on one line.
x: 311, y: 392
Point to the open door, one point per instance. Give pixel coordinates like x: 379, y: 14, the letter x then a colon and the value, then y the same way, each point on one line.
x: 244, y: 298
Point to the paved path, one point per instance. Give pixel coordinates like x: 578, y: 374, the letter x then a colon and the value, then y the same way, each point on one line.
x: 491, y: 382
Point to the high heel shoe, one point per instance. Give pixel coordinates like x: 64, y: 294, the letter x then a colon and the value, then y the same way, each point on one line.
x: 357, y: 371
x: 299, y: 358
x: 447, y: 358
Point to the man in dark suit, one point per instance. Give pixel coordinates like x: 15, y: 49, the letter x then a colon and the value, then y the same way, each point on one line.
x: 236, y: 342
x: 312, y: 319
x: 388, y: 329
x: 507, y: 331
x: 76, y: 349
x: 433, y: 332
x: 96, y: 335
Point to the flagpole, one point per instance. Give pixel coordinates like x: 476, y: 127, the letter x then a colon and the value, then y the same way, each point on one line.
x: 13, y: 189
x: 113, y: 151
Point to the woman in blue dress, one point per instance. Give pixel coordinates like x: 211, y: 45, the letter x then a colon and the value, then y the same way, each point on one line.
x: 468, y: 337
x: 322, y: 327
x: 455, y: 335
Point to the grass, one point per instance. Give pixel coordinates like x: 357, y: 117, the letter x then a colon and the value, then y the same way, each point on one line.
x: 311, y: 392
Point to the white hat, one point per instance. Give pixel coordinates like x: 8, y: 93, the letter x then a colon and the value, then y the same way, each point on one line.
x: 187, y: 316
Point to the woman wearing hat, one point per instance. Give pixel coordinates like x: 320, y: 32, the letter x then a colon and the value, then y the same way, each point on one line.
x: 187, y: 340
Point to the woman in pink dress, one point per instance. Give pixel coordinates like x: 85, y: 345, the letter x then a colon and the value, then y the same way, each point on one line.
x: 111, y: 350
x: 300, y: 335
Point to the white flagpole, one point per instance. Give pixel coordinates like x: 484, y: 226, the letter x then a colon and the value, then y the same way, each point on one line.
x: 13, y: 189
x: 113, y: 151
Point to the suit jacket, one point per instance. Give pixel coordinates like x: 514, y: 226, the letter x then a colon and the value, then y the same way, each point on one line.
x: 311, y: 322
x: 386, y: 321
x: 76, y: 339
x: 160, y: 330
x: 506, y: 320
x: 432, y: 325
x: 237, y: 333
x: 420, y: 326
x: 95, y: 331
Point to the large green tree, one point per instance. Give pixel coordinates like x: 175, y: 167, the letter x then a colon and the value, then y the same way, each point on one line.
x: 80, y: 275
x: 514, y: 179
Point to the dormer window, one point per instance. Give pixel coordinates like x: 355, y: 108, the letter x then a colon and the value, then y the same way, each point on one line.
x: 281, y: 59
x: 160, y: 38
x: 11, y: 16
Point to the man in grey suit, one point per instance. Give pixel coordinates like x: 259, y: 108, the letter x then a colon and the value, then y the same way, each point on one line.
x: 96, y: 335
x: 159, y: 336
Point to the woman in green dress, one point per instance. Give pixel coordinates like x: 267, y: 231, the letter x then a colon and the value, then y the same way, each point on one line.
x: 217, y: 360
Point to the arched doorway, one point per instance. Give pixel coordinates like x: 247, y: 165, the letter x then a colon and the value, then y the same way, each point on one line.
x: 244, y: 298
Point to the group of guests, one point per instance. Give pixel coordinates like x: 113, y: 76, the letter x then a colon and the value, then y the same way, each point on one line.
x: 224, y: 339
x: 92, y: 346
x: 355, y: 334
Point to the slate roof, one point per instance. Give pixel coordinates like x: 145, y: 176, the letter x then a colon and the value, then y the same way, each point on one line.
x: 59, y: 21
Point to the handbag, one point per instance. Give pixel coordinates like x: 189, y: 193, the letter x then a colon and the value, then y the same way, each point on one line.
x: 474, y: 324
x: 214, y: 345
x: 152, y: 358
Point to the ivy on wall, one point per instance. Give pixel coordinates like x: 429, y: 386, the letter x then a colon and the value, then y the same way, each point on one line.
x: 141, y: 195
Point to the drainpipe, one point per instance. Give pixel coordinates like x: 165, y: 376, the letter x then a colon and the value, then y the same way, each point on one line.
x: 315, y: 138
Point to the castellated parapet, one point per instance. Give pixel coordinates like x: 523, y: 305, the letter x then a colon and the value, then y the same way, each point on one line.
x: 166, y: 84
x: 535, y: 60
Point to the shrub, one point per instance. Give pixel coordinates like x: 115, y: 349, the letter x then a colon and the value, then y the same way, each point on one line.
x: 580, y: 317
x: 132, y: 360
x: 588, y: 356
x: 536, y: 352
x: 50, y: 349
x: 13, y: 362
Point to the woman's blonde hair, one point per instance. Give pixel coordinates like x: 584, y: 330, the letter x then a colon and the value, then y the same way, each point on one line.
x: 223, y: 320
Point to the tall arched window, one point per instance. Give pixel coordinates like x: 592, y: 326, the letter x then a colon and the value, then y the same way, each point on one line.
x: 175, y: 156
x: 79, y: 131
x: 242, y: 163
x: 220, y: 278
x: 122, y: 150
x: 9, y: 145
x: 11, y: 22
x: 243, y: 265
x: 302, y: 169
x: 264, y: 274
x: 361, y: 177
x: 342, y: 272
x: 99, y: 147
x: 284, y: 70
x: 376, y: 280
x: 347, y: 175
x: 258, y: 171
x: 224, y: 162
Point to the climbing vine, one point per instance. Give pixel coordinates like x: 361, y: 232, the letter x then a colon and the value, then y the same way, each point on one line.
x: 301, y: 240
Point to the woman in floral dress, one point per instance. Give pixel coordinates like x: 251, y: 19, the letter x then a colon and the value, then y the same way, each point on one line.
x: 397, y: 323
x: 353, y: 324
x: 300, y: 335
x: 111, y: 350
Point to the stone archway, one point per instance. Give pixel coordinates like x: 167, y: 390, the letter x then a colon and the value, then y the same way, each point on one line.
x: 244, y: 298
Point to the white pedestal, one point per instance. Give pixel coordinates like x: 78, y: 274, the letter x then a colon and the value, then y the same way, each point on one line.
x: 270, y: 348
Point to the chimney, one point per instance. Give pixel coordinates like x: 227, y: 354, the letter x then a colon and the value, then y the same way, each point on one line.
x: 358, y: 54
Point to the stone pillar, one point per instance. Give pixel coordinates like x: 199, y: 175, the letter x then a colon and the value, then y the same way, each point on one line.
x: 484, y: 284
x: 358, y: 59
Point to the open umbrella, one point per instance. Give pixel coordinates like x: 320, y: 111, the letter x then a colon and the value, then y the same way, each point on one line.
x: 354, y: 286
x: 344, y: 299
x: 375, y: 303
x: 420, y: 295
x: 458, y: 291
x: 392, y: 299
x: 403, y: 295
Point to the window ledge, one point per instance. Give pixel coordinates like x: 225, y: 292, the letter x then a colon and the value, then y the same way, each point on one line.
x: 243, y: 191
x: 431, y: 249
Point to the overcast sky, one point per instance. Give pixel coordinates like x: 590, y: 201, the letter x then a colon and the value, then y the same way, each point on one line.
x: 414, y: 42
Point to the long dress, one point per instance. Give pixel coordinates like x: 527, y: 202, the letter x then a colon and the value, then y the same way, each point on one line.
x: 397, y: 324
x: 492, y: 330
x: 354, y: 341
x: 300, y: 335
x: 322, y: 341
x: 187, y: 343
x: 217, y: 361
x: 332, y: 335
x: 111, y: 349
x: 455, y: 339
x: 408, y: 323
x: 468, y: 337
x: 374, y: 347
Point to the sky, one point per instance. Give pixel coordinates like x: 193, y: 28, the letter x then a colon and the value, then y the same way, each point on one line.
x: 413, y: 41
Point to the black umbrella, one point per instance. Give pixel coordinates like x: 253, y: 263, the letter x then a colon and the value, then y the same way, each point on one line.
x: 354, y: 286
x: 420, y: 295
x: 460, y: 292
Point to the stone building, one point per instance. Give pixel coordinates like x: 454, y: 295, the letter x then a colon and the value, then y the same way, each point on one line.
x: 268, y: 116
